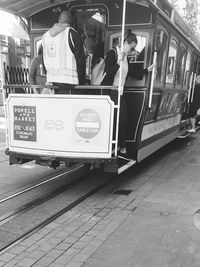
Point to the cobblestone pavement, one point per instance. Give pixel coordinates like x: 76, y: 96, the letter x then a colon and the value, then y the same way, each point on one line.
x: 2, y: 123
x: 1, y: 111
x: 150, y: 227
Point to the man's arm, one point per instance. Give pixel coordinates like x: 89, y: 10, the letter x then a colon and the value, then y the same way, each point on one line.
x: 111, y: 67
x: 32, y: 71
x: 76, y: 46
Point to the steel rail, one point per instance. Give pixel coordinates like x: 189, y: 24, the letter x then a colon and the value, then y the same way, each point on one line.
x: 41, y: 183
x: 104, y: 182
x: 36, y: 202
x: 3, y: 160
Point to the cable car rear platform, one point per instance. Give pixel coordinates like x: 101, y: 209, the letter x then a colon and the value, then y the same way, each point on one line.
x: 148, y: 217
x: 116, y: 164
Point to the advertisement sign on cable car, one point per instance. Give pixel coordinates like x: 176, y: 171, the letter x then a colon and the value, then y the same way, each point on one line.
x: 71, y: 126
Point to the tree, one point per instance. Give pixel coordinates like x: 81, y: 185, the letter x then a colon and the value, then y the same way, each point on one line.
x: 191, y: 12
x: 176, y: 5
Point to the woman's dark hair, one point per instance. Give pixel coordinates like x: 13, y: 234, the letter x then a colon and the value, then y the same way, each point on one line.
x: 40, y: 53
x: 40, y: 50
x: 130, y: 37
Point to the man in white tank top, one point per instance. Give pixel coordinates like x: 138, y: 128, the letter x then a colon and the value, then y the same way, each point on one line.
x: 64, y: 56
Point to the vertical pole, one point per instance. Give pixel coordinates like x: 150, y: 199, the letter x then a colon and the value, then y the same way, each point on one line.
x: 4, y: 92
x: 152, y: 79
x: 194, y: 81
x: 190, y: 86
x: 120, y: 76
x: 193, y: 85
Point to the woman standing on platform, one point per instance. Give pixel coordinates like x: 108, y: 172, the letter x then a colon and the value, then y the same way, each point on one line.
x: 113, y: 60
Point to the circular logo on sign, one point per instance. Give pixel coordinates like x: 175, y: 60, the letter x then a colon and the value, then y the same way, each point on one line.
x: 88, y: 123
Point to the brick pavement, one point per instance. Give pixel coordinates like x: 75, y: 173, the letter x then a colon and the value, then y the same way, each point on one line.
x: 150, y: 227
x: 2, y: 123
x: 1, y: 111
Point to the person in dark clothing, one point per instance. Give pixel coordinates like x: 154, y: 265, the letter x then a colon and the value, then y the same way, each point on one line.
x: 37, y: 72
x: 113, y: 60
x: 195, y: 105
x: 64, y: 56
x: 98, y: 53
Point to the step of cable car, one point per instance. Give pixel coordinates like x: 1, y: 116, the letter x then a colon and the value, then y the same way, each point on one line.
x: 120, y: 165
x: 186, y: 133
x: 125, y: 164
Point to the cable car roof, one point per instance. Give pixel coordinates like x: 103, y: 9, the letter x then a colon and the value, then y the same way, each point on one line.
x: 27, y: 8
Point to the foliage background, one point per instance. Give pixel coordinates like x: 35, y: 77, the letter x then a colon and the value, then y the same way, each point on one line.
x: 190, y: 11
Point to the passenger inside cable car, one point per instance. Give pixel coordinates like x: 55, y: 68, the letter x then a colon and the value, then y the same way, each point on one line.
x: 37, y: 72
x: 64, y: 56
x: 114, y: 58
x: 91, y: 24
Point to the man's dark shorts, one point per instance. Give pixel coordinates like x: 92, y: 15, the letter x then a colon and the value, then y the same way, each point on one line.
x: 193, y: 110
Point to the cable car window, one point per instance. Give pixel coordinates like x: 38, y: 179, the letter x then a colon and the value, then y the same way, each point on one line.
x: 187, y: 70
x: 194, y: 65
x: 181, y: 65
x: 137, y: 62
x: 161, y: 47
x: 91, y: 24
x: 171, y: 61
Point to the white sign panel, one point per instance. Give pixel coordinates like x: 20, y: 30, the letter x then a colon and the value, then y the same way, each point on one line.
x: 152, y: 129
x: 61, y: 125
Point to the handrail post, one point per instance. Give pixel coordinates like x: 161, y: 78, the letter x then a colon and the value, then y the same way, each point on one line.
x: 120, y: 78
x: 152, y: 79
x: 191, y: 85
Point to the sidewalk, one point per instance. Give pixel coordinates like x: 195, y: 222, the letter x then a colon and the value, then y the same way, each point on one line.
x: 1, y: 111
x: 2, y: 123
x: 150, y: 227
x: 2, y: 119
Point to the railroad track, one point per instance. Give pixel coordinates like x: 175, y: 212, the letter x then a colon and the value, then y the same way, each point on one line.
x: 49, y: 180
x: 27, y: 219
x: 11, y: 222
x: 2, y: 161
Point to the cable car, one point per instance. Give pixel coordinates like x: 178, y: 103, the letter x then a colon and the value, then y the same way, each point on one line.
x: 83, y: 126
